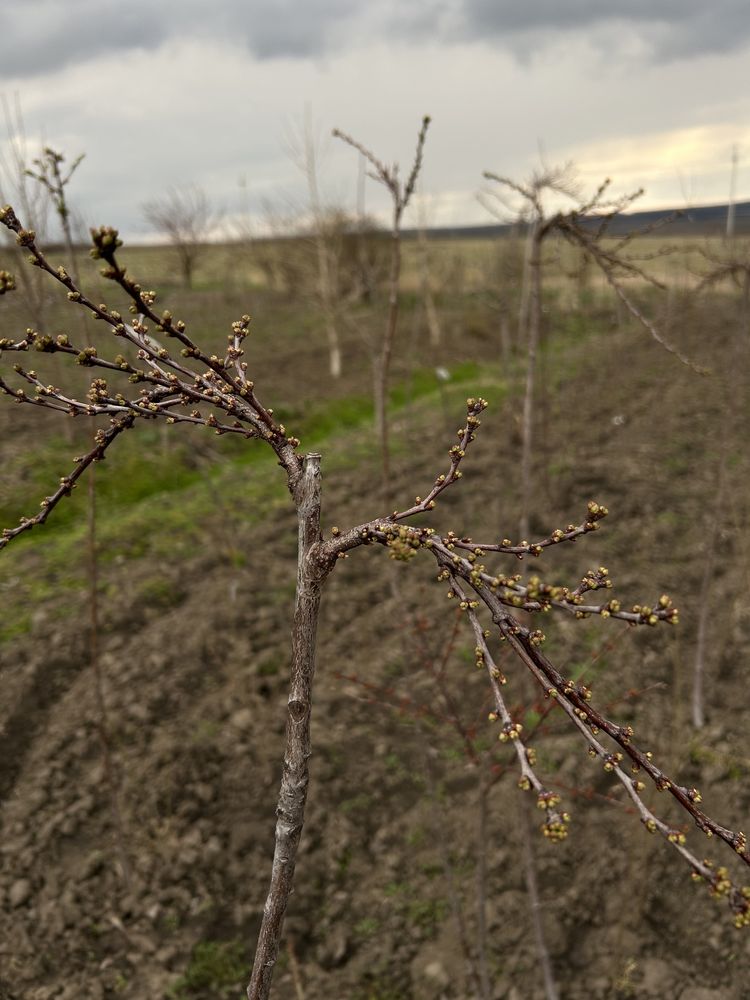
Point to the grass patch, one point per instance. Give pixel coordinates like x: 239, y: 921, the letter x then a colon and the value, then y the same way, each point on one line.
x: 12, y: 627
x: 216, y: 969
x: 166, y: 506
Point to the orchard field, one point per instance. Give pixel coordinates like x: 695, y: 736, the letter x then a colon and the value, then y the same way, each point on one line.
x: 196, y: 569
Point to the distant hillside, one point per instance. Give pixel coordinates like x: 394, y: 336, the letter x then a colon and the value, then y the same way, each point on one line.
x: 704, y: 220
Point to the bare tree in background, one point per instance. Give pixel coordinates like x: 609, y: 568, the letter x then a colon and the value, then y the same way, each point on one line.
x: 344, y: 246
x: 33, y: 200
x: 731, y: 263
x: 728, y: 264
x: 401, y: 193
x: 426, y: 279
x: 326, y: 258
x: 587, y: 228
x: 186, y: 218
x: 53, y: 175
x: 555, y: 180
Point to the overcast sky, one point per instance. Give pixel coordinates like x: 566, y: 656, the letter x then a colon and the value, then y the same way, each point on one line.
x: 650, y: 92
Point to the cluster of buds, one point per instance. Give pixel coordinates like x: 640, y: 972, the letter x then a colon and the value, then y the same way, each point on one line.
x: 571, y: 687
x: 467, y: 433
x: 595, y: 579
x: 611, y: 761
x: 25, y: 237
x: 7, y: 282
x: 98, y: 390
x: 556, y: 828
x: 664, y: 611
x: 547, y: 800
x: 86, y: 357
x: 474, y: 408
x: 106, y: 240
x: 596, y: 511
x: 720, y: 886
x: 403, y: 543
x: 510, y: 731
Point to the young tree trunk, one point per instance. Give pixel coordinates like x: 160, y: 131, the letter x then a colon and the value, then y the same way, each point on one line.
x: 334, y: 367
x: 535, y: 904
x: 533, y: 321
x: 428, y: 299
x: 697, y: 701
x: 326, y: 283
x: 290, y: 810
x: 433, y: 322
x: 505, y: 342
x: 186, y: 266
x: 327, y: 300
x: 483, y: 835
x: 383, y: 361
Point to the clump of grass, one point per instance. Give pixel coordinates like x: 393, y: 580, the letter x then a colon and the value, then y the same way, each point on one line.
x: 216, y: 969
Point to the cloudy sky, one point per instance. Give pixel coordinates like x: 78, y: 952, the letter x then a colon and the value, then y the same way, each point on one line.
x: 650, y: 92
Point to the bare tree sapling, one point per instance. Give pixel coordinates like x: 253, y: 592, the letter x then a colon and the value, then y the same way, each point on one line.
x: 587, y: 228
x: 401, y: 193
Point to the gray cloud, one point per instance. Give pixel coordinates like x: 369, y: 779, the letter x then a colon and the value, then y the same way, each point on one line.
x: 40, y: 36
x: 669, y: 28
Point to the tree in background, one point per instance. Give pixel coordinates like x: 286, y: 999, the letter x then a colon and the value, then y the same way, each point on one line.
x: 587, y: 228
x: 185, y: 216
x: 728, y: 264
x: 401, y: 193
x: 53, y: 176
x: 340, y: 256
x: 547, y: 180
x: 33, y: 200
x: 323, y: 235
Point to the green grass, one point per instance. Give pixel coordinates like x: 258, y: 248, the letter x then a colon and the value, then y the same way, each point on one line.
x: 15, y: 626
x: 366, y: 928
x: 164, y: 507
x: 216, y: 968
